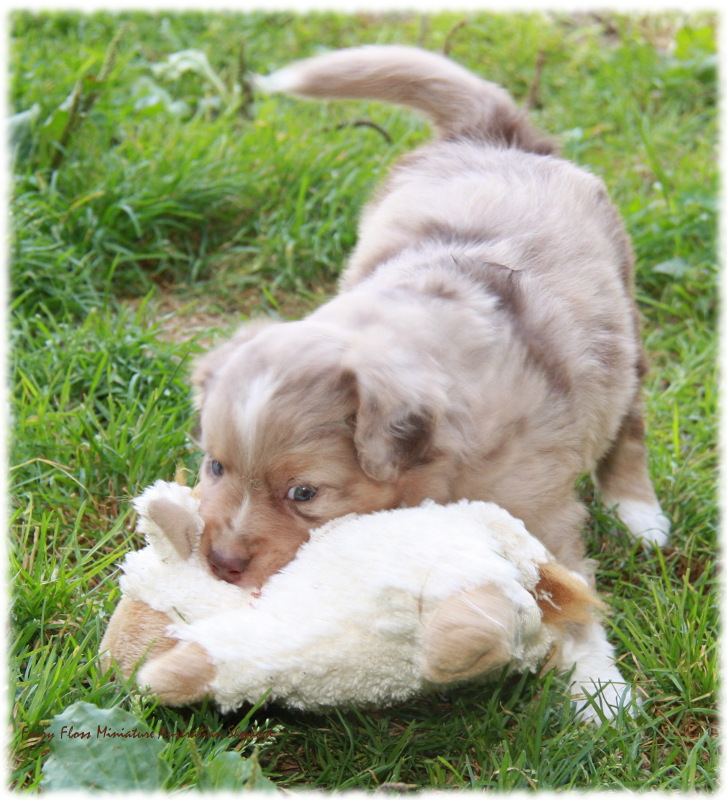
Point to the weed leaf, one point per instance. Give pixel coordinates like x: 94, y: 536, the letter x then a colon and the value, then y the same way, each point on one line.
x: 189, y: 61
x: 107, y: 749
x: 675, y: 267
x: 229, y: 770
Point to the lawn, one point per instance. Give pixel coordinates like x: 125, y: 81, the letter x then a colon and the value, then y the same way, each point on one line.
x: 156, y: 203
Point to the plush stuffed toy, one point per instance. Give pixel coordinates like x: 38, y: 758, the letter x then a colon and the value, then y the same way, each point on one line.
x: 372, y: 610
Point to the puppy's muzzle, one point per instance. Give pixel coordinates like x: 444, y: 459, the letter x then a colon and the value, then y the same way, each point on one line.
x: 228, y: 568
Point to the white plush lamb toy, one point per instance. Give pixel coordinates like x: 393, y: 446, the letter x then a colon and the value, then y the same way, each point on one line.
x: 372, y: 610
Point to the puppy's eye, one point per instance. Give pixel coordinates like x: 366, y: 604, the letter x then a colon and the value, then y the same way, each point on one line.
x: 302, y: 494
x: 216, y: 469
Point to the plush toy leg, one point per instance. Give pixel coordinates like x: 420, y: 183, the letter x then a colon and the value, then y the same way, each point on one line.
x: 180, y: 676
x: 135, y: 632
x: 470, y: 634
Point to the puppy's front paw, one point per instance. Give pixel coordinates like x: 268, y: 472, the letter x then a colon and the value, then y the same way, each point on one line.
x: 180, y: 676
x: 601, y: 701
x: 597, y: 687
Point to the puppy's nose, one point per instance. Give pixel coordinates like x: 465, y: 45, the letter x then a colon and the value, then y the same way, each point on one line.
x: 228, y: 568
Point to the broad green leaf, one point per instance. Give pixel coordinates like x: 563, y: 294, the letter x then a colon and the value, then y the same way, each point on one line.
x: 108, y: 749
x: 690, y: 42
x: 55, y: 124
x: 676, y: 267
x: 229, y: 770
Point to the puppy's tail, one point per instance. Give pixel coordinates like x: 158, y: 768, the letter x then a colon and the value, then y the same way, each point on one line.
x: 459, y: 104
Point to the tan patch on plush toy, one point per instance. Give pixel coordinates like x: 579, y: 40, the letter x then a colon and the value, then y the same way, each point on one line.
x: 135, y: 633
x: 469, y: 634
x: 180, y: 676
x: 474, y: 632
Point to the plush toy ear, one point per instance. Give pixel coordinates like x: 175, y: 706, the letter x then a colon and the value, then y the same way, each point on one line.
x: 563, y: 596
x: 470, y: 634
x: 180, y: 525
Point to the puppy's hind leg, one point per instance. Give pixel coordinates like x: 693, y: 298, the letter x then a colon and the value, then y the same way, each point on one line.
x: 622, y: 477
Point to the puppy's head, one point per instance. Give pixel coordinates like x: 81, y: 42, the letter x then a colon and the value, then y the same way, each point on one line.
x: 300, y: 424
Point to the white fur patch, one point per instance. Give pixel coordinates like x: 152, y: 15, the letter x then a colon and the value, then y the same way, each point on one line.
x: 645, y: 521
x: 284, y: 80
x: 597, y: 687
x: 259, y: 395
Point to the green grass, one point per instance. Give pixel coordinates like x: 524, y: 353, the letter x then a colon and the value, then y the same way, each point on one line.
x: 147, y: 229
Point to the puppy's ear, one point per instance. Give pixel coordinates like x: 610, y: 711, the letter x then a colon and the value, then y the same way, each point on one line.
x: 207, y: 366
x: 391, y: 441
x: 396, y: 419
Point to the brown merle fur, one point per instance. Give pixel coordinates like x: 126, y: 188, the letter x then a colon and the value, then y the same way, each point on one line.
x: 483, y: 344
